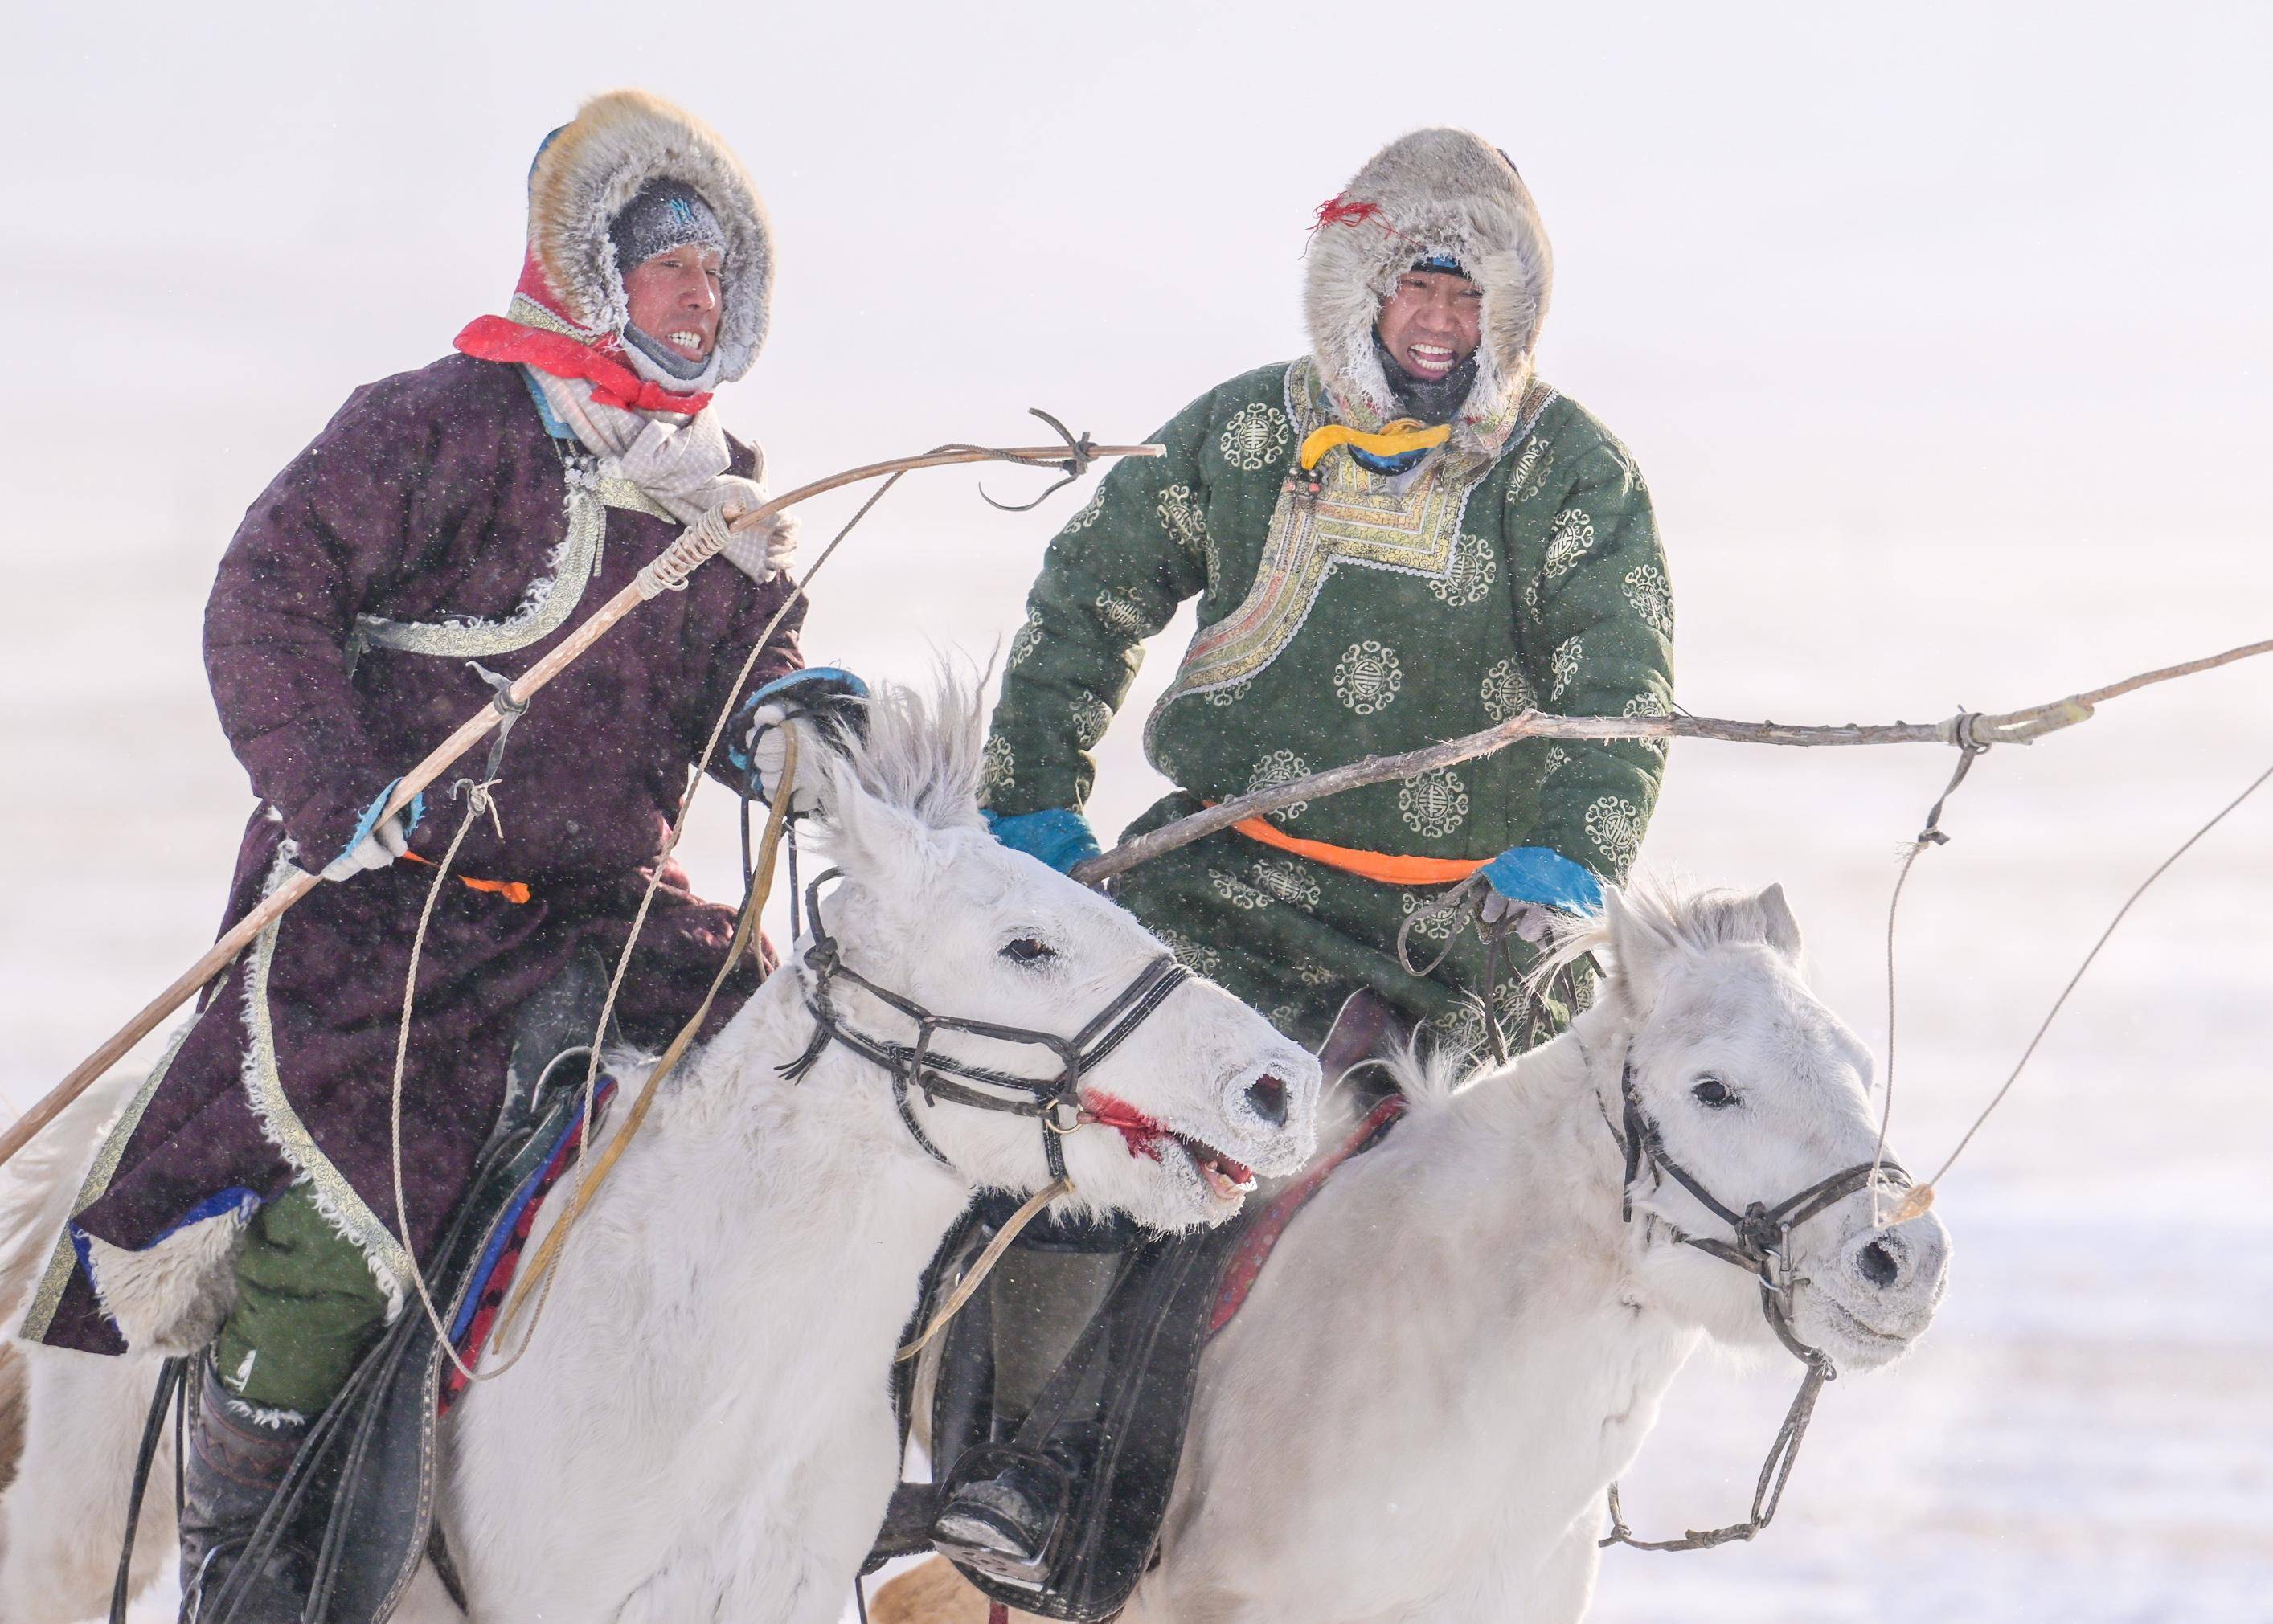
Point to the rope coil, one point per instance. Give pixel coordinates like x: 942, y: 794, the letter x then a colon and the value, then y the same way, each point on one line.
x: 696, y: 545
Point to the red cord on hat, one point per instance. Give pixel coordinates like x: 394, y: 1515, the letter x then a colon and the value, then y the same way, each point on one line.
x: 1335, y: 212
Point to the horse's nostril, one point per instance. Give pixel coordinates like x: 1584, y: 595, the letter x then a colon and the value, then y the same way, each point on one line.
x: 1879, y: 1266
x: 1268, y: 1097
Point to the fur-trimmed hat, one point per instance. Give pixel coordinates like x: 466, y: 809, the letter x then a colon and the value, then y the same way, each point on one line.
x: 1433, y: 192
x: 587, y: 172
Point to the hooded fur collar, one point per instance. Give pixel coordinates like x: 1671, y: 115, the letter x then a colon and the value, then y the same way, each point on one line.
x: 1435, y: 191
x: 588, y: 170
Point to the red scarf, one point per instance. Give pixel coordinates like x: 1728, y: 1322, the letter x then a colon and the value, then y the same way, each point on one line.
x: 499, y: 338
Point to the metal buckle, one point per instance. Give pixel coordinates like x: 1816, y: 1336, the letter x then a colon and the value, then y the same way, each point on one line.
x: 1775, y: 1273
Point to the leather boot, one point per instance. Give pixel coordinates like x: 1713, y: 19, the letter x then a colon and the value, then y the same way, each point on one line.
x: 231, y: 1466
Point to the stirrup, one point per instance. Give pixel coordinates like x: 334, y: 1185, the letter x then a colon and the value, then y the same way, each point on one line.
x: 1000, y: 1511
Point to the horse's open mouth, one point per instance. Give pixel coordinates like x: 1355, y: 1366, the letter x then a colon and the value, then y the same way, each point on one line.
x: 1227, y: 1180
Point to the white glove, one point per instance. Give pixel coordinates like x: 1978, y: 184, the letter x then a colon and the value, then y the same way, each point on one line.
x: 762, y: 550
x: 385, y: 843
x: 767, y: 752
x: 1531, y: 921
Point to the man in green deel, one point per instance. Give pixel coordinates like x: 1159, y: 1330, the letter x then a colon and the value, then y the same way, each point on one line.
x: 1403, y: 536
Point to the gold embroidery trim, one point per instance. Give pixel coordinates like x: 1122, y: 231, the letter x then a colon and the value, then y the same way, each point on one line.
x: 617, y: 491
x: 529, y: 313
x: 1357, y: 518
x: 265, y: 1085
x: 578, y: 560
x: 50, y: 1296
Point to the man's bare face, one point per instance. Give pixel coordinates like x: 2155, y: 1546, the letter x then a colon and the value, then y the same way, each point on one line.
x: 1430, y: 322
x: 674, y: 298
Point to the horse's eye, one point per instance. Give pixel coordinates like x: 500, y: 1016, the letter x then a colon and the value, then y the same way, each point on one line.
x: 1028, y: 950
x: 1713, y: 1092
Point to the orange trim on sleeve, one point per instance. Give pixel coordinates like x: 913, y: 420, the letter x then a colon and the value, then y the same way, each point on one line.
x: 515, y: 891
x: 1388, y: 868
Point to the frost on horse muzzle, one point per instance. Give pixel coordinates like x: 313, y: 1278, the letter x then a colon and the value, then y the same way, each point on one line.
x: 1799, y: 1309
x: 1868, y: 1290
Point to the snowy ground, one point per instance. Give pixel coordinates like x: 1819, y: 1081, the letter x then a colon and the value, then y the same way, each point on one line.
x: 2087, y: 1433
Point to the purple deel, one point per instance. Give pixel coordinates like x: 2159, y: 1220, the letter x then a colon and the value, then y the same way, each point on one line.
x: 432, y: 495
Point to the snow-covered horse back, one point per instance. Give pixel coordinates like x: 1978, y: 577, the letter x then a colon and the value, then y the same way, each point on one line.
x: 702, y: 1427
x: 1462, y: 1341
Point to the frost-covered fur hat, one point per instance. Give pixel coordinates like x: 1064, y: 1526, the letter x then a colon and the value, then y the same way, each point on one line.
x: 1431, y: 192
x: 584, y: 175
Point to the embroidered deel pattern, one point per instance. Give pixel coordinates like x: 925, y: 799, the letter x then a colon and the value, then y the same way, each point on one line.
x: 1355, y: 518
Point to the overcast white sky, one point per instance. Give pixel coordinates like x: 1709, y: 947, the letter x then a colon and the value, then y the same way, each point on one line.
x: 2023, y: 244
x: 1941, y: 331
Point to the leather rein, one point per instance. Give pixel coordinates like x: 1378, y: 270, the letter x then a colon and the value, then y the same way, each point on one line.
x: 1055, y: 1102
x: 1759, y: 1246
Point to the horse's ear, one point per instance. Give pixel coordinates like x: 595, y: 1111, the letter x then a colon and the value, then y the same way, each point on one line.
x: 1781, y: 928
x: 1642, y: 952
x: 866, y: 835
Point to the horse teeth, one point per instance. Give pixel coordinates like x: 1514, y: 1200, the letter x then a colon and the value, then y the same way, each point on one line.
x: 1236, y: 1179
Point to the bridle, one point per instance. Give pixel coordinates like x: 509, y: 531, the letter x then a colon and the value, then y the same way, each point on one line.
x: 1761, y: 1238
x: 1055, y: 1102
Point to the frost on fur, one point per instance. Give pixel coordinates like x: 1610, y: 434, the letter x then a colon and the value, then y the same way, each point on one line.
x: 619, y: 142
x: 1444, y: 192
x: 171, y: 1297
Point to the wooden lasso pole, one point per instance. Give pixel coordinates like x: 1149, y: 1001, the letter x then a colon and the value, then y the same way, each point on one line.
x: 668, y: 572
x: 2018, y: 727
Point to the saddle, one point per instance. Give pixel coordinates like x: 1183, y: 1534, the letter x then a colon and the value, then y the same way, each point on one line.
x: 1106, y: 1433
x: 373, y: 1453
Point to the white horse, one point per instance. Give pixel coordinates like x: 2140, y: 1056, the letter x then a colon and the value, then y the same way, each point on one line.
x: 702, y: 1427
x: 1460, y: 1343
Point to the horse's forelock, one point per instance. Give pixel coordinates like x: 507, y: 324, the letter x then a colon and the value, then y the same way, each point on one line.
x: 923, y: 752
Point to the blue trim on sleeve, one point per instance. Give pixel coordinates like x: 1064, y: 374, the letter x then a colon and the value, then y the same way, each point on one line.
x: 553, y: 426
x: 833, y: 674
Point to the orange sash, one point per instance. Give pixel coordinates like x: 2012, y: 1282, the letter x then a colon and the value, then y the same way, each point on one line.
x: 1389, y: 868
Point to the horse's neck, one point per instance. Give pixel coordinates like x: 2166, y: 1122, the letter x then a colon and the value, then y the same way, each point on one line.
x: 1539, y: 1143
x: 807, y: 1170
x: 1529, y: 1176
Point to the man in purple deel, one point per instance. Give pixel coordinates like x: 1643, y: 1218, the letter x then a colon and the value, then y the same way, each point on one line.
x: 447, y: 524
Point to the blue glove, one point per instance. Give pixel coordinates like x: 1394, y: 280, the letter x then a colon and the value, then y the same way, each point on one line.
x: 1547, y: 878
x: 1060, y: 837
x: 822, y: 690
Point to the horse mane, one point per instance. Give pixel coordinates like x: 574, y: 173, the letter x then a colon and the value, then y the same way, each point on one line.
x: 1429, y: 1074
x: 1699, y: 919
x: 923, y: 750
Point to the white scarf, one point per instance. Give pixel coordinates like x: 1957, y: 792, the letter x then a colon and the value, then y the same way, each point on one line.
x: 678, y: 462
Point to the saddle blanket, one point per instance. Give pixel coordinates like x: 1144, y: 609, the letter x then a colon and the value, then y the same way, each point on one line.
x: 501, y: 1261
x: 1261, y: 1238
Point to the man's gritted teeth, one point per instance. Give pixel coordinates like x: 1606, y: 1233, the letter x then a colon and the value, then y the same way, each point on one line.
x: 688, y: 343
